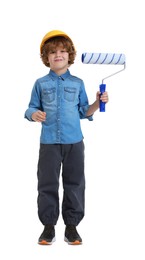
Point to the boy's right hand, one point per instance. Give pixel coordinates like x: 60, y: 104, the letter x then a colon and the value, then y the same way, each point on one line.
x: 39, y: 116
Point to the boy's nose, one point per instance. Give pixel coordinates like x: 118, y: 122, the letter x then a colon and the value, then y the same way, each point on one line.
x: 58, y: 53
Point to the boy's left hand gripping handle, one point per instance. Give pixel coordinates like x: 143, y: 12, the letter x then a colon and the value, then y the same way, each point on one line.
x: 102, y: 104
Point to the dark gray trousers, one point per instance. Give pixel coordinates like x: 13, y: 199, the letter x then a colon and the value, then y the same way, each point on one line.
x: 51, y: 158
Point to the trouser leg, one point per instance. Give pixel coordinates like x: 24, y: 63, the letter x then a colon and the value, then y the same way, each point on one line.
x: 73, y: 183
x: 48, y: 183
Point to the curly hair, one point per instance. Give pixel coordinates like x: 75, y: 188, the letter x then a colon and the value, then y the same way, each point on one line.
x: 51, y: 44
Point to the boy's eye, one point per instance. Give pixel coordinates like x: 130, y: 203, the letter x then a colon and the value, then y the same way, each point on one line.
x: 53, y: 52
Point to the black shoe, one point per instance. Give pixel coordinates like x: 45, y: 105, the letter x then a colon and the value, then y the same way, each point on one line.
x: 71, y: 236
x: 48, y: 235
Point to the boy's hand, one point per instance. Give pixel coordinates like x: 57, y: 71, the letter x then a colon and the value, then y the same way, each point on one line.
x: 103, y: 97
x: 39, y: 116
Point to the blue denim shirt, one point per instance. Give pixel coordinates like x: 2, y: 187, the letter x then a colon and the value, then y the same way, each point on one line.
x: 65, y: 102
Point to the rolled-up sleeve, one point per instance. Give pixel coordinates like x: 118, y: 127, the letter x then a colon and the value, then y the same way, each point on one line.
x: 84, y: 104
x: 35, y: 102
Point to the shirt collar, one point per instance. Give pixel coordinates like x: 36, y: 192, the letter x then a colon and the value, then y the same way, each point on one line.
x: 54, y: 76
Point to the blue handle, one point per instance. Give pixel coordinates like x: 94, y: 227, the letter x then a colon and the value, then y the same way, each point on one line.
x: 102, y: 104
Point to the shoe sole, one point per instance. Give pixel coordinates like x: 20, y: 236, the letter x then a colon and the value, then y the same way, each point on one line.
x: 45, y: 243
x: 76, y: 242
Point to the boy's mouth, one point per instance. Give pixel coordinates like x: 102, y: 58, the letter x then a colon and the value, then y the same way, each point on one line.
x: 58, y: 60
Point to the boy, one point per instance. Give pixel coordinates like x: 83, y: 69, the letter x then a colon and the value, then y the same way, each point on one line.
x: 59, y: 101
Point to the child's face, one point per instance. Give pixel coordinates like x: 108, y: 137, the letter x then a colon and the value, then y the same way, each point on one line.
x: 58, y: 60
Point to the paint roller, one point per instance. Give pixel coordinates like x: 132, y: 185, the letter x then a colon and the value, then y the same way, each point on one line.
x: 104, y: 58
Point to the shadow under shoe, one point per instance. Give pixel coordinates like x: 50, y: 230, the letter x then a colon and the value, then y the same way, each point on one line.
x: 71, y: 235
x: 48, y: 235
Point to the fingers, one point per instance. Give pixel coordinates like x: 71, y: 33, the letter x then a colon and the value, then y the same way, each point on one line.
x: 39, y: 116
x: 104, y: 97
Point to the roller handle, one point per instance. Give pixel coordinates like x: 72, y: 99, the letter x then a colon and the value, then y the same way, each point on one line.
x: 102, y: 104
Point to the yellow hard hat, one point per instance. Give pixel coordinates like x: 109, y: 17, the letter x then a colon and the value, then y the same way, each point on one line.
x: 52, y: 34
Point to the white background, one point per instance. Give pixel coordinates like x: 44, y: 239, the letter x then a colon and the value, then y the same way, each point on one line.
x: 114, y: 226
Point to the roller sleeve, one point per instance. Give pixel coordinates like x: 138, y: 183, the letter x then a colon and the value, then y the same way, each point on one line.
x: 103, y: 58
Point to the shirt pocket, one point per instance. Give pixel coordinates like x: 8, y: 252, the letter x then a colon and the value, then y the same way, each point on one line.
x: 69, y: 94
x: 48, y: 95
